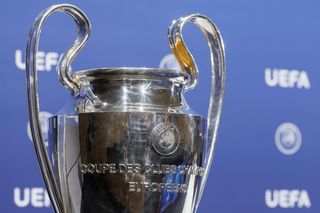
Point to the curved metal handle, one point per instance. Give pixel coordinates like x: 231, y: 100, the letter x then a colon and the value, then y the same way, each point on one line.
x: 188, y: 64
x: 65, y: 78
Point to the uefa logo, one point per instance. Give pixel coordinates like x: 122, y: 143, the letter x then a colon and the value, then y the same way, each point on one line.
x: 288, y: 138
x: 44, y: 116
x: 165, y: 139
x: 170, y: 62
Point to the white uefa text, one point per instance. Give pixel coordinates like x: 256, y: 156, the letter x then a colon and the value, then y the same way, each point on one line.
x: 36, y: 197
x: 285, y: 78
x: 285, y: 198
x: 46, y: 61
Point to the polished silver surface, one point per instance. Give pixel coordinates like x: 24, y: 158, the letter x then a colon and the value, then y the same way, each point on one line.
x: 132, y: 89
x: 114, y: 167
x: 127, y: 141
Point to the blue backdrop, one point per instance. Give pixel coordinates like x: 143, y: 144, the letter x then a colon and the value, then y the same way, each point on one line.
x: 267, y: 154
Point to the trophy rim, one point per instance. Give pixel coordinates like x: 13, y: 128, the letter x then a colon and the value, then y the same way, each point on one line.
x: 139, y: 73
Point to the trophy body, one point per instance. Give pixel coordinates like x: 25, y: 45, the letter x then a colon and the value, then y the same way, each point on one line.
x: 130, y: 142
x: 129, y: 160
x: 124, y: 172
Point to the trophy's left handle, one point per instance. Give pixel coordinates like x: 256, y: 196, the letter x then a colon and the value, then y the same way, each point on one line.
x: 32, y: 88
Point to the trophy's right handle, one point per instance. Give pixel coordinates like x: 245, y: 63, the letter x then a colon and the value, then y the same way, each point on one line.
x: 65, y: 78
x: 218, y: 71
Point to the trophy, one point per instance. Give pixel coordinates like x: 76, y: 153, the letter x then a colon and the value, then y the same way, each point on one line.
x: 127, y: 141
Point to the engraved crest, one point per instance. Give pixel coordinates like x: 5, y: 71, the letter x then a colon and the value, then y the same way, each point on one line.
x: 165, y: 139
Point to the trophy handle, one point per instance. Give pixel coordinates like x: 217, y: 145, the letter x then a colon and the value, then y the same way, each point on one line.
x: 218, y: 68
x: 65, y: 78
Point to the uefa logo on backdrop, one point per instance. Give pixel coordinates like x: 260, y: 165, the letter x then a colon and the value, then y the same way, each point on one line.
x: 169, y: 62
x: 44, y: 116
x: 288, y: 138
x: 287, y: 78
x: 31, y: 196
x: 287, y: 198
x: 46, y: 61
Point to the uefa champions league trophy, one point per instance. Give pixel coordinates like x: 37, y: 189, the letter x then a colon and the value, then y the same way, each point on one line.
x: 129, y: 142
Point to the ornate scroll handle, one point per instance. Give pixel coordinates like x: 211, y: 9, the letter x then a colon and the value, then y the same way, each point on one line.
x: 218, y: 69
x: 65, y: 78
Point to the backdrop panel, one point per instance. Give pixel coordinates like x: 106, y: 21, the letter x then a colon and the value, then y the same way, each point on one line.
x: 267, y: 154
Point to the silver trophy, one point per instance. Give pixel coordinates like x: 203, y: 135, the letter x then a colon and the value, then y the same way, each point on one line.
x: 128, y: 141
